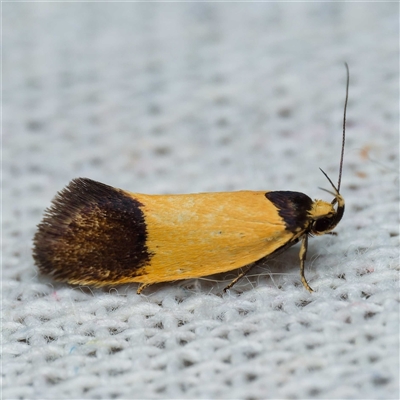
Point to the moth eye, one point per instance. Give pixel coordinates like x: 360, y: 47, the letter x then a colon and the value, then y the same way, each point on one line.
x: 323, y: 224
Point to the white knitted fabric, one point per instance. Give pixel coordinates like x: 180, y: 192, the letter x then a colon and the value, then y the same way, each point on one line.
x: 191, y: 97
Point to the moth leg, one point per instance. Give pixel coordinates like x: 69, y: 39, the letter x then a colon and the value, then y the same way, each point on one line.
x: 142, y: 287
x: 245, y: 270
x: 302, y: 255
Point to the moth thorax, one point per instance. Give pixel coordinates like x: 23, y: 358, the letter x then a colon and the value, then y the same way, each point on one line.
x: 321, y: 209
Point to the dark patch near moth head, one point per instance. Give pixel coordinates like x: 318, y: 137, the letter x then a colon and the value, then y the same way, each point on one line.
x: 92, y: 233
x: 293, y: 208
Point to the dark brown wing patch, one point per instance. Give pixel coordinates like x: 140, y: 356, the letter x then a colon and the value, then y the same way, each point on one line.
x: 293, y: 208
x: 92, y: 234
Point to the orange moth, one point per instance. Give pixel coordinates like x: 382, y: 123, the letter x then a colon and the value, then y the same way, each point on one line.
x: 95, y: 234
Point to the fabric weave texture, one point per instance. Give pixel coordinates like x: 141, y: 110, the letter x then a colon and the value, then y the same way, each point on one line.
x: 197, y: 97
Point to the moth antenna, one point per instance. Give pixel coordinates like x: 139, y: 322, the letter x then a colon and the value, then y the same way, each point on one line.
x: 329, y: 179
x: 337, y: 190
x: 344, y: 126
x: 328, y: 191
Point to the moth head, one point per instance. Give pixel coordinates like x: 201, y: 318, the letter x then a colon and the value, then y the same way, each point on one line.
x: 325, y: 216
